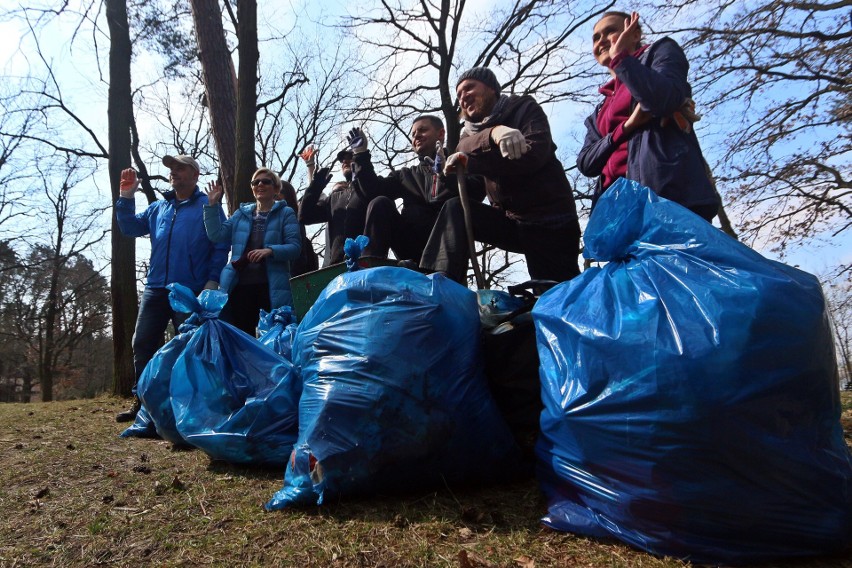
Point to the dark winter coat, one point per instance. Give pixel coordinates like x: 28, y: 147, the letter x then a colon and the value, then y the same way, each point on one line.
x: 533, y: 188
x: 663, y: 158
x: 423, y: 192
x: 343, y: 210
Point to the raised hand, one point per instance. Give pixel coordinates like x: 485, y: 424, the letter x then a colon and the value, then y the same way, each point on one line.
x: 214, y: 193
x: 129, y: 183
x: 629, y: 38
x: 309, y: 155
x: 357, y: 140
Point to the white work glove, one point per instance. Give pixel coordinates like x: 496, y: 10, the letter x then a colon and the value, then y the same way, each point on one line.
x: 357, y: 140
x: 211, y: 285
x: 128, y: 184
x: 455, y: 162
x: 512, y: 143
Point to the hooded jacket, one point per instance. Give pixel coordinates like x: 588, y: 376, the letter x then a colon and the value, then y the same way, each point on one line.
x: 663, y: 158
x: 180, y: 249
x: 282, y: 236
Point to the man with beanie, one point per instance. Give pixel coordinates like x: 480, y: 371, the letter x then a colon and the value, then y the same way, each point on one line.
x: 423, y: 189
x: 180, y: 253
x: 507, y: 140
x: 343, y: 210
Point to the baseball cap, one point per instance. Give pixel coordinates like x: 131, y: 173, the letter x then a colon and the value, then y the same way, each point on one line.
x: 170, y: 161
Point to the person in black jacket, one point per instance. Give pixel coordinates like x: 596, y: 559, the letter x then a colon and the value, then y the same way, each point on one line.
x: 507, y: 140
x: 423, y: 189
x: 343, y: 210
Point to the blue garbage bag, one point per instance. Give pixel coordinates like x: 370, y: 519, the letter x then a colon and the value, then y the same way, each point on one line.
x: 277, y: 329
x: 154, y: 386
x: 142, y: 427
x: 690, y: 392
x: 394, y: 396
x: 232, y: 396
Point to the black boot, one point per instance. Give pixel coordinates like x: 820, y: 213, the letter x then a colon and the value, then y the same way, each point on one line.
x: 129, y: 414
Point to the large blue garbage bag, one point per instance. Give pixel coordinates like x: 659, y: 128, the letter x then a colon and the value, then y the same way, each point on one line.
x: 154, y: 386
x: 690, y: 391
x: 277, y: 329
x: 394, y: 395
x: 232, y: 396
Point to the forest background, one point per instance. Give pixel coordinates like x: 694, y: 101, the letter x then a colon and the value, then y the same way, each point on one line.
x: 94, y: 86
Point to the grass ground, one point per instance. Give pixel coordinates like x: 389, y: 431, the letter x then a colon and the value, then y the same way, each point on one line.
x: 73, y: 494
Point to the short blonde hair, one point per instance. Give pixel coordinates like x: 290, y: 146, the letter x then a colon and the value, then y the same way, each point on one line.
x: 276, y: 181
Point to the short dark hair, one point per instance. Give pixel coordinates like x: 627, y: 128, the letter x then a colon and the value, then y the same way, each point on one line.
x: 436, y: 122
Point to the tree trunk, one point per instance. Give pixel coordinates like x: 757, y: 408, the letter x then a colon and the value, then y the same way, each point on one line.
x: 50, y: 318
x: 246, y: 98
x: 123, y: 275
x: 217, y: 69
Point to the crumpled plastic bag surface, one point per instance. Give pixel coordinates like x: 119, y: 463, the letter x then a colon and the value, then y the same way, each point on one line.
x: 232, y: 396
x: 690, y: 392
x: 394, y: 395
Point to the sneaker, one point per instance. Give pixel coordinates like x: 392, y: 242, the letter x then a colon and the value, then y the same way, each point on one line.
x: 129, y: 414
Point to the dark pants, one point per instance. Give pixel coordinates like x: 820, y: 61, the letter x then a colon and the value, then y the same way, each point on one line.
x: 389, y: 230
x: 244, y: 304
x: 155, y: 313
x: 551, y: 248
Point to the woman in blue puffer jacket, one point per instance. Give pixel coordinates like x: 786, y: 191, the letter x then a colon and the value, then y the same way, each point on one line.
x: 264, y: 238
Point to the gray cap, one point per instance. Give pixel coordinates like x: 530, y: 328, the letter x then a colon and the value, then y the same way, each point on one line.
x: 482, y: 74
x: 170, y: 161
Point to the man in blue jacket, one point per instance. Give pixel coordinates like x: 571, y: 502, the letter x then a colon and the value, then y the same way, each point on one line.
x: 639, y: 131
x: 180, y: 252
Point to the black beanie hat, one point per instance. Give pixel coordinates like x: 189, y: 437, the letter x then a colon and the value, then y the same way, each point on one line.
x: 483, y: 75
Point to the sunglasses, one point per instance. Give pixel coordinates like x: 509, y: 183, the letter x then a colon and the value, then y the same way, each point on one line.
x: 264, y: 181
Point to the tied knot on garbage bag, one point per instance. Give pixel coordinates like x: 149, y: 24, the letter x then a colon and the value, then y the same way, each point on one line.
x: 353, y: 249
x: 282, y: 316
x: 206, y: 306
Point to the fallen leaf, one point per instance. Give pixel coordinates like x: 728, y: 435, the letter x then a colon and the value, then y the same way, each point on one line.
x: 525, y: 562
x: 470, y: 560
x: 43, y: 493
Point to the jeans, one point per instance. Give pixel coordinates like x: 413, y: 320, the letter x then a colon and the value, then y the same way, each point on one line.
x: 155, y: 313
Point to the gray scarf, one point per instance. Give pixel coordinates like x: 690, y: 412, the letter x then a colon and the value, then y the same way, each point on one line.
x: 489, y: 121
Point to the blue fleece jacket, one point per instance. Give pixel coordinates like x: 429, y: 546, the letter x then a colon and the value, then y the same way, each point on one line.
x: 282, y: 236
x: 180, y: 249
